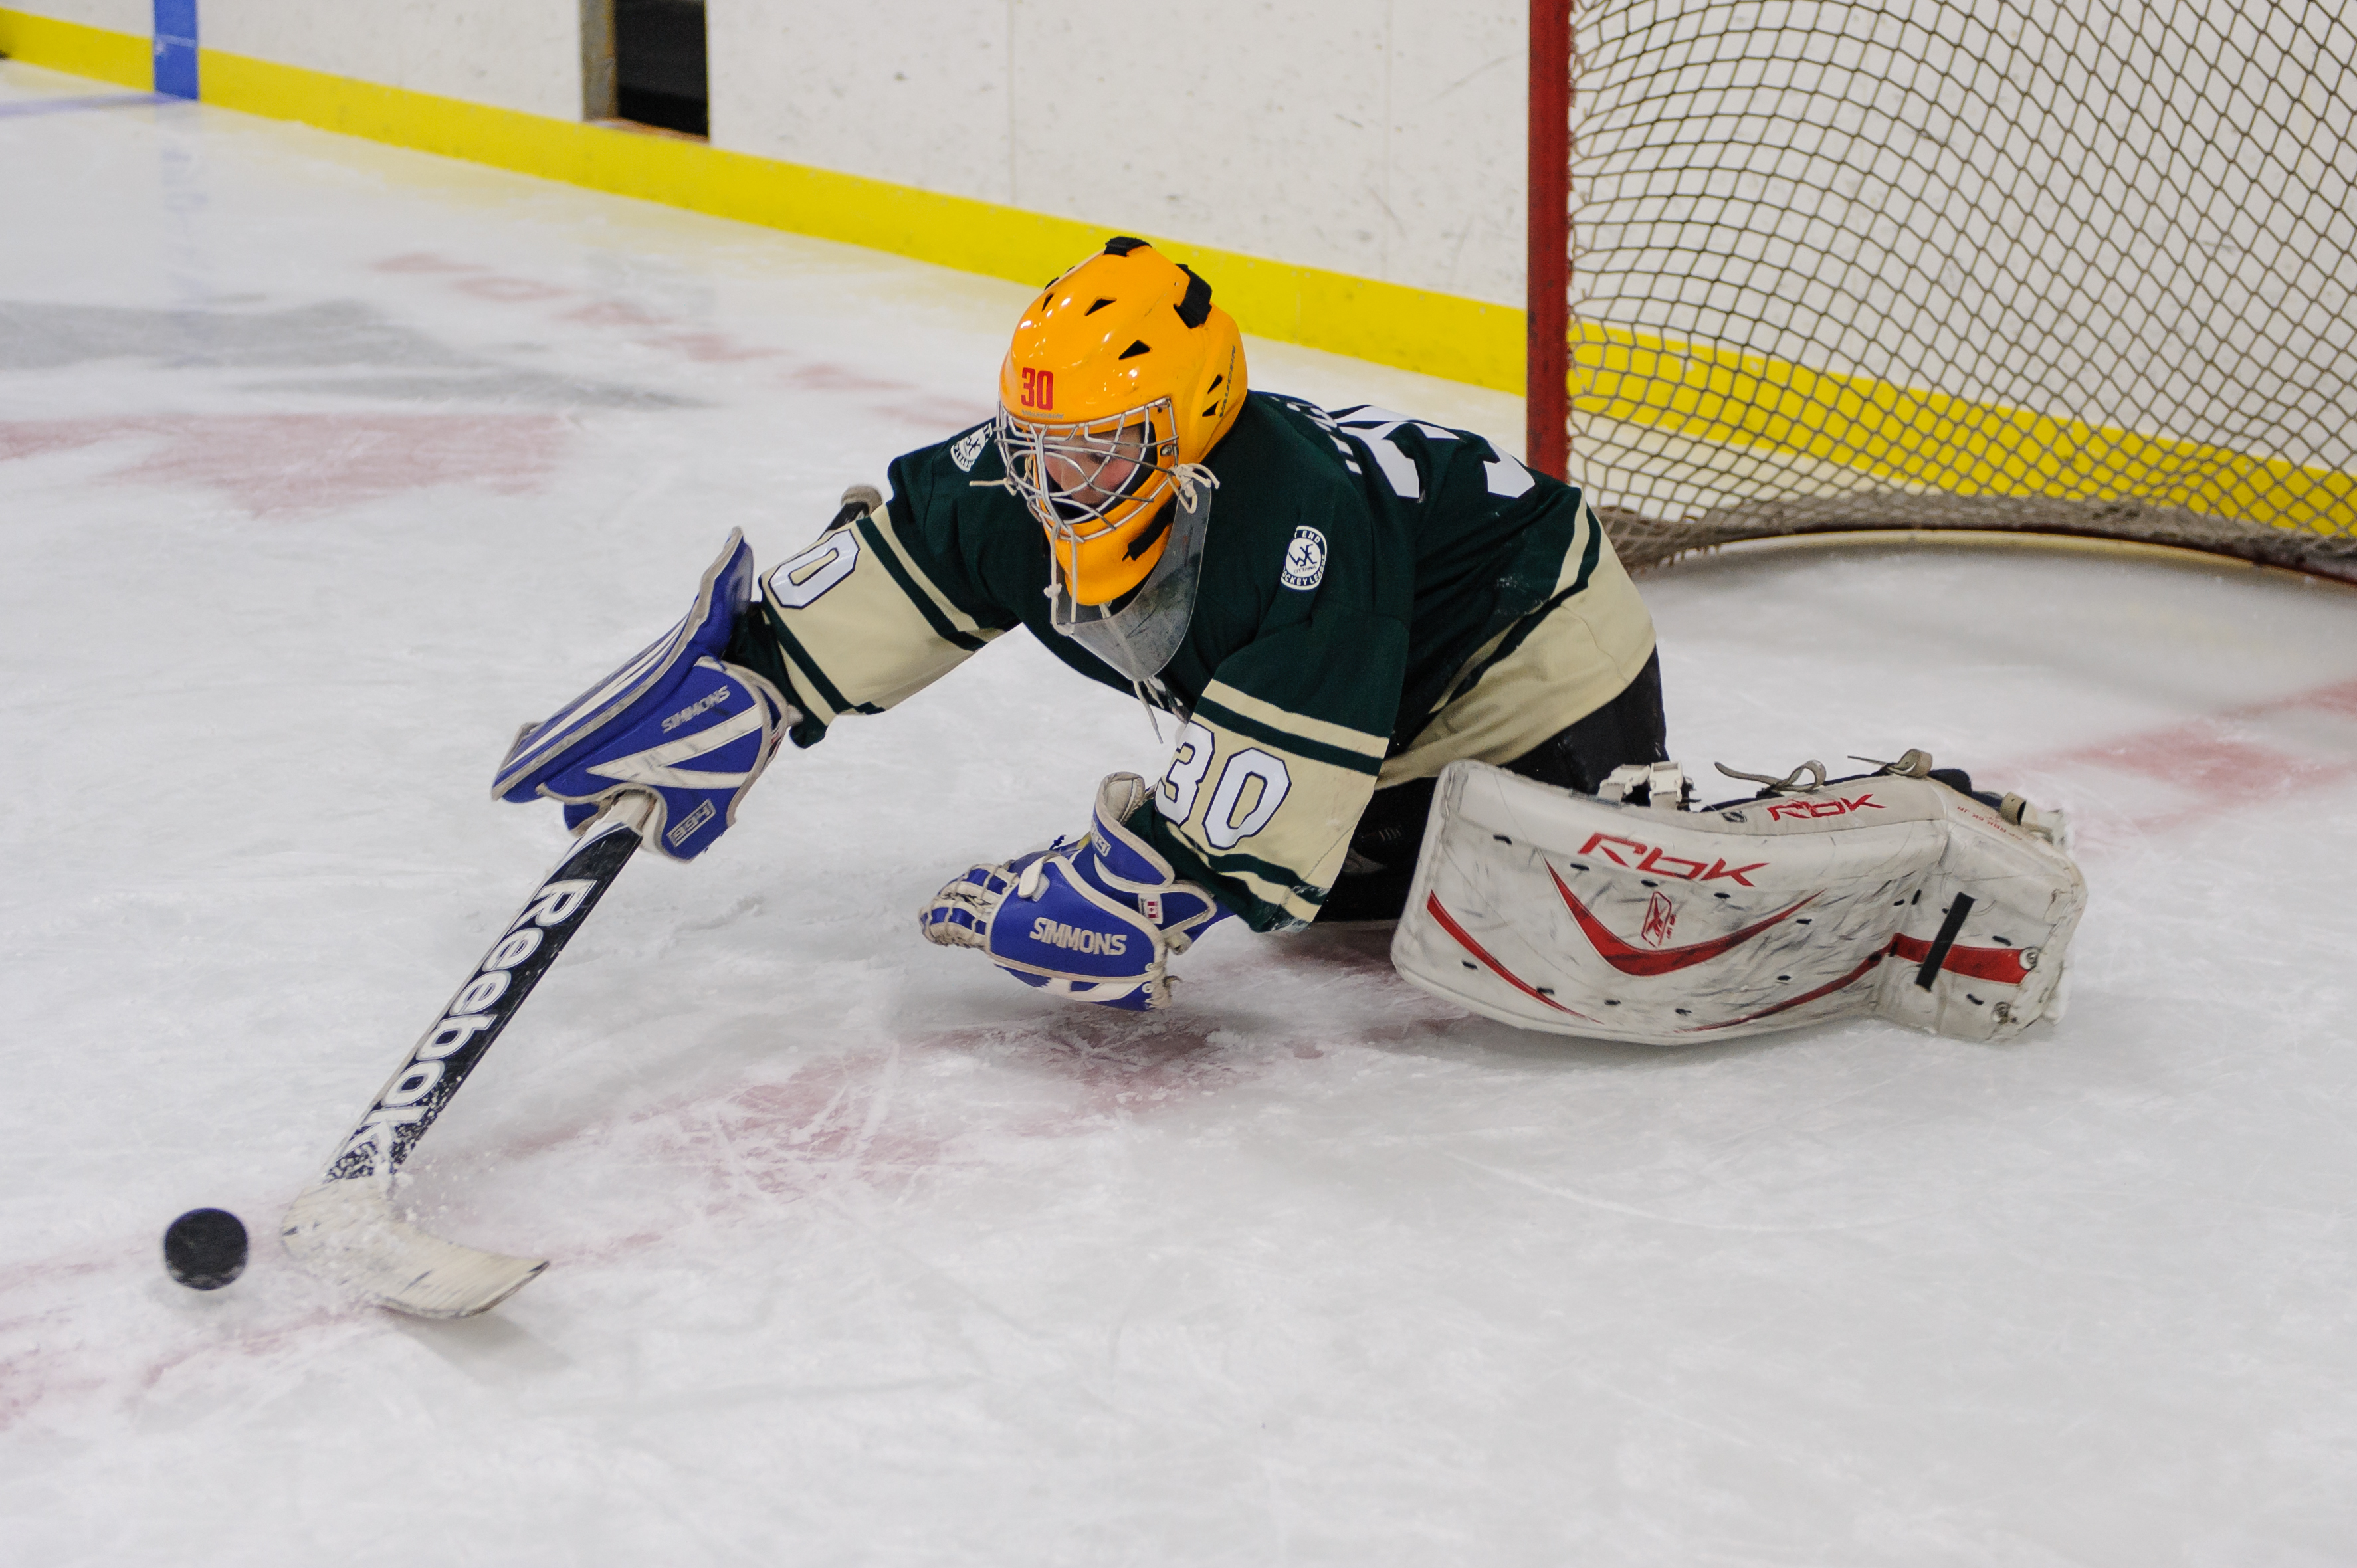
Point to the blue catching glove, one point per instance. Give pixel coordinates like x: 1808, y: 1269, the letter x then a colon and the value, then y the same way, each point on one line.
x: 677, y: 723
x: 1094, y: 918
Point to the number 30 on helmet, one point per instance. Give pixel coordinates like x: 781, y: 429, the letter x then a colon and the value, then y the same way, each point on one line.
x: 1122, y: 377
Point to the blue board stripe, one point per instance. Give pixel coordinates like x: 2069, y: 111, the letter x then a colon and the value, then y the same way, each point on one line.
x: 176, y: 47
x: 177, y: 19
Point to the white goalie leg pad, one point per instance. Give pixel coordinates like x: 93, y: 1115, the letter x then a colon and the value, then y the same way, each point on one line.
x: 1580, y: 915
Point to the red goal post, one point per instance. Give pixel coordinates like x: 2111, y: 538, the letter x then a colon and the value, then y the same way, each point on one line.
x: 2080, y: 267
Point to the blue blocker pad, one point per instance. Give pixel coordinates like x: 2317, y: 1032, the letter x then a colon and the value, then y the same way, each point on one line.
x: 176, y: 47
x: 676, y: 722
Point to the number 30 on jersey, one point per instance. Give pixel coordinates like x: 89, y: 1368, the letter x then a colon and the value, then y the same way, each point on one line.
x: 1229, y: 819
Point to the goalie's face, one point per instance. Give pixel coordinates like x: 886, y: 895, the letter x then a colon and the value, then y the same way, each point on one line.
x: 1084, y: 471
x: 1095, y: 487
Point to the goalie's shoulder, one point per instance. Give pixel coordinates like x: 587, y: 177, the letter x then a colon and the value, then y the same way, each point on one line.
x: 1294, y: 502
x: 1288, y: 444
x: 959, y: 477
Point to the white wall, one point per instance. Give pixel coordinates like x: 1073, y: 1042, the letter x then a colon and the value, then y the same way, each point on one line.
x: 1369, y: 136
x: 113, y: 16
x: 516, y: 54
x: 1372, y: 137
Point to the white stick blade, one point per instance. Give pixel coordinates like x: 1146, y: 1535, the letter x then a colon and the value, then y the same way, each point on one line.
x: 347, y: 1233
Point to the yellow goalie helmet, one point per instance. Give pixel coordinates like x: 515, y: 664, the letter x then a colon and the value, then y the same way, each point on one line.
x: 1122, y: 377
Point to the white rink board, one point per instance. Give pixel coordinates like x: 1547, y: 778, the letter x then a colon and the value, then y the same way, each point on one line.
x: 323, y: 465
x: 1379, y: 142
x: 114, y: 16
x: 518, y: 54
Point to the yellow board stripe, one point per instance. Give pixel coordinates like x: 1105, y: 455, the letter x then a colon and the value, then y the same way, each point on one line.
x: 1419, y: 329
x: 119, y: 58
x: 1931, y: 440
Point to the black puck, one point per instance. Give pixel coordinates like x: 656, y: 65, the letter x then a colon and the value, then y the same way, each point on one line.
x: 205, y: 1248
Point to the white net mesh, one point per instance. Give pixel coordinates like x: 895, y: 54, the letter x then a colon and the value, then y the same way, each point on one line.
x: 2083, y: 267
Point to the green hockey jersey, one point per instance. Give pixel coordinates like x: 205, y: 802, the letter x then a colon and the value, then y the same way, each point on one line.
x: 1380, y: 597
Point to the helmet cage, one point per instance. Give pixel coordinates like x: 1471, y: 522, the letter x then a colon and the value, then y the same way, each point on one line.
x: 1085, y: 479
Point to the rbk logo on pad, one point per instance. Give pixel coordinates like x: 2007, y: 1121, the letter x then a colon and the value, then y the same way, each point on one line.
x: 1836, y: 807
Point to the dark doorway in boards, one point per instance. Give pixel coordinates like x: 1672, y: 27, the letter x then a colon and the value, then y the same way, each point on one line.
x: 644, y: 61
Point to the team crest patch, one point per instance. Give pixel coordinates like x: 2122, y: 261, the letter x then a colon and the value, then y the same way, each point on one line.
x: 969, y: 450
x: 1304, y: 559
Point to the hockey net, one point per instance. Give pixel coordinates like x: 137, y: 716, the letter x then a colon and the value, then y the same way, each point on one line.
x: 2080, y: 268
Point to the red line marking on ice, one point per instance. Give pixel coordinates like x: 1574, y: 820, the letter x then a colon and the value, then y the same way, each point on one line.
x: 425, y: 261
x: 919, y: 408
x: 2200, y: 755
x: 262, y: 1341
x: 834, y: 378
x: 613, y: 312
x: 30, y: 1380
x: 713, y: 348
x: 703, y: 347
x: 39, y: 1375
x: 508, y: 291
x: 2212, y: 761
x: 281, y: 463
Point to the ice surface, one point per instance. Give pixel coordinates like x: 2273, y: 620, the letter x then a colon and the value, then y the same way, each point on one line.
x: 323, y: 465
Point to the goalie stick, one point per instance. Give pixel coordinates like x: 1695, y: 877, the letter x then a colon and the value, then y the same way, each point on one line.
x: 342, y: 1228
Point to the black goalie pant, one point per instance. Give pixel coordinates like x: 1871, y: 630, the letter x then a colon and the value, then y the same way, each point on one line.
x: 1390, y: 834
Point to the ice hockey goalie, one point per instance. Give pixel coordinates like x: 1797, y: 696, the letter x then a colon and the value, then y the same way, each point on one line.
x: 1626, y: 916
x: 1335, y: 609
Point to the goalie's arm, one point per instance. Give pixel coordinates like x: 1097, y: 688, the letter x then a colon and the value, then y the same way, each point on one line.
x: 856, y: 624
x: 1275, y: 765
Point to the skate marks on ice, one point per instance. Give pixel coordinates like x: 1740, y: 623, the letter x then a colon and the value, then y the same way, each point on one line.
x: 728, y: 1171
x: 1527, y: 1092
x: 887, y: 1116
x: 67, y: 1321
x: 781, y: 1116
x: 850, y: 1127
x: 592, y: 1154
